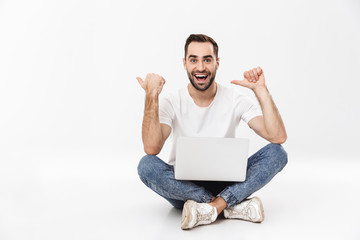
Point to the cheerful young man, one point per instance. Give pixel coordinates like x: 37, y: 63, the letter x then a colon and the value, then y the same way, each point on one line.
x: 206, y: 108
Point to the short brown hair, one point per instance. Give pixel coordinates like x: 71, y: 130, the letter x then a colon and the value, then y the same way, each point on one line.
x: 201, y: 38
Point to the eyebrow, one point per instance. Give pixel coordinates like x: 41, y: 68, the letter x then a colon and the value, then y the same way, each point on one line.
x: 195, y: 56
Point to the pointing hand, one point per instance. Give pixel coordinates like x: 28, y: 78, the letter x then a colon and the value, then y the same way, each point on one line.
x: 152, y: 84
x: 252, y: 79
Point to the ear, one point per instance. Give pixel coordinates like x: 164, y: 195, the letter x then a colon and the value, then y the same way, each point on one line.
x: 184, y: 62
x: 217, y: 63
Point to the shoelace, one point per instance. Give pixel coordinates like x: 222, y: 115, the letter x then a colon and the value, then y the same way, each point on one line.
x: 245, y: 211
x: 200, y: 217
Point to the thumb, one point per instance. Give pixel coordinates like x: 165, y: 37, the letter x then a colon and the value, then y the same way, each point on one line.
x: 141, y: 82
x: 238, y: 82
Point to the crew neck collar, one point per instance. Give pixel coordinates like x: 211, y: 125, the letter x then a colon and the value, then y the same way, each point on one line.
x: 192, y: 100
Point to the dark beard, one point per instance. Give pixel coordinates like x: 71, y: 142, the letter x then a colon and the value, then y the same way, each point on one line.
x: 201, y: 89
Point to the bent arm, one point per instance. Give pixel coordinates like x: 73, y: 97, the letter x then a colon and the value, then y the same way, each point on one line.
x: 154, y: 134
x: 269, y: 126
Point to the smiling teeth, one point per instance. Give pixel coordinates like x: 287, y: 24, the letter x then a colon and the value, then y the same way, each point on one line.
x: 200, y: 75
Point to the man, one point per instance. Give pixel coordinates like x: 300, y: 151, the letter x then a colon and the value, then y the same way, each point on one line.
x: 206, y: 108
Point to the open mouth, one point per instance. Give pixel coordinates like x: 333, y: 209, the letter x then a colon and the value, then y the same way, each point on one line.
x: 201, y: 77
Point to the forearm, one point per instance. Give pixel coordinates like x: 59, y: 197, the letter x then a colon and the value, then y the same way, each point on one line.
x: 273, y: 122
x: 151, y: 129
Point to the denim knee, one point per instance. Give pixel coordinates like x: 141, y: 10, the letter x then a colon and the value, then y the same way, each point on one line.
x: 279, y: 154
x: 144, y: 166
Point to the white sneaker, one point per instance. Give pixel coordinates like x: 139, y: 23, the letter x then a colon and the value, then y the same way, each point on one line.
x: 195, y: 214
x: 250, y: 210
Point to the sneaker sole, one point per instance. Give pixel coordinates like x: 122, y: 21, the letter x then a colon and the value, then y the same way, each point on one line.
x: 261, y: 209
x: 187, y: 216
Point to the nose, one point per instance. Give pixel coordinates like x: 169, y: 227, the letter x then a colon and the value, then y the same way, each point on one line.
x: 201, y: 66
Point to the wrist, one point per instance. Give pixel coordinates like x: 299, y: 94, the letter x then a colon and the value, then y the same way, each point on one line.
x: 260, y: 90
x: 152, y: 94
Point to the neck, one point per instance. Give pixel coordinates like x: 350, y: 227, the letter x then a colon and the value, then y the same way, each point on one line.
x: 203, y: 98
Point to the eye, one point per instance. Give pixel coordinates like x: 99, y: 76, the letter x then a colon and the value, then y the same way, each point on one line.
x: 193, y: 60
x: 208, y: 60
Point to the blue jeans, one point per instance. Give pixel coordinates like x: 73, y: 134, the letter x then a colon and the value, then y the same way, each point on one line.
x: 261, y: 168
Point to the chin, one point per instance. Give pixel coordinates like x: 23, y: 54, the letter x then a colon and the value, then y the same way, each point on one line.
x: 202, y: 87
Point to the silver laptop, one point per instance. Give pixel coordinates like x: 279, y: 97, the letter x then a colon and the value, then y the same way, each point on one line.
x: 211, y: 159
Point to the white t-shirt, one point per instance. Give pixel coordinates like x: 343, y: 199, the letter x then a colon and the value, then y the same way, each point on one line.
x: 219, y: 119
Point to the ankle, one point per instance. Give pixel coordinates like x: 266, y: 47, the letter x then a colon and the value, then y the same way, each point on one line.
x: 219, y: 203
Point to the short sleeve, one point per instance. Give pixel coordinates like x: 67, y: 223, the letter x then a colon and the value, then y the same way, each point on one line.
x: 248, y: 109
x: 166, y: 111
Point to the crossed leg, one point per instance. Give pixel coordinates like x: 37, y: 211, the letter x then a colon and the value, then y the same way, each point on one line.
x: 262, y: 167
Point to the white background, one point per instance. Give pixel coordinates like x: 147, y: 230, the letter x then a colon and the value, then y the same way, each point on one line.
x: 71, y: 107
x: 68, y: 68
